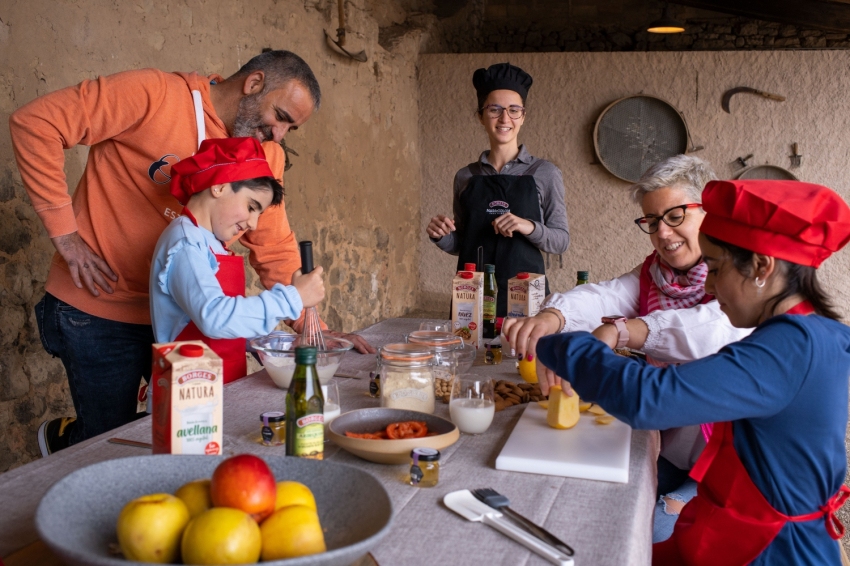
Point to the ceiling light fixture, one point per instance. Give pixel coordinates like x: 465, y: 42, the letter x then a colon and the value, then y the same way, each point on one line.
x: 666, y: 24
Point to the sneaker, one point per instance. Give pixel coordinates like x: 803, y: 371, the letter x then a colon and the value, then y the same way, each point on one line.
x: 54, y: 435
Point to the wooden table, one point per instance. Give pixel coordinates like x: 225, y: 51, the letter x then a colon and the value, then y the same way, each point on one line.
x: 606, y: 523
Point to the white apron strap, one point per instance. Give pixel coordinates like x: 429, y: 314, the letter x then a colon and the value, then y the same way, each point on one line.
x: 199, y: 116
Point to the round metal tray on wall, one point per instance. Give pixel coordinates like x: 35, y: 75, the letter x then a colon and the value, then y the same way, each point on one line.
x: 768, y: 172
x: 636, y: 132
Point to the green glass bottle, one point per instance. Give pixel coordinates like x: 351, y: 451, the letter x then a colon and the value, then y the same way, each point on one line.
x: 583, y: 277
x: 491, y: 291
x: 305, y: 408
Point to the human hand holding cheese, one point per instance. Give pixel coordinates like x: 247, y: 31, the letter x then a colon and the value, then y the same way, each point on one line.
x: 311, y: 287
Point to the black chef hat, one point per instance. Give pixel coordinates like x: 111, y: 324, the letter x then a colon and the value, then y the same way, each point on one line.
x: 502, y: 76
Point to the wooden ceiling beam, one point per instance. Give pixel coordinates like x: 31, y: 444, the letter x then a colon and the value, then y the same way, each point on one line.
x: 820, y: 14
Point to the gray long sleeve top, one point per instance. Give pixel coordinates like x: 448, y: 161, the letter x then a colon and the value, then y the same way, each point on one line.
x: 553, y: 234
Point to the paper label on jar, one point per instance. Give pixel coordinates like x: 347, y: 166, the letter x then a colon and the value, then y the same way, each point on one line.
x: 420, y: 394
x: 309, y: 441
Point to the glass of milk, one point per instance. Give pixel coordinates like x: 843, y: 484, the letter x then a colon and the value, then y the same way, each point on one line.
x: 332, y: 404
x: 472, y: 405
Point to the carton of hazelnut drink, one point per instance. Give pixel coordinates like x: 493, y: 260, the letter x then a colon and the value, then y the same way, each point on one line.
x: 526, y: 292
x: 187, y: 385
x: 468, y: 307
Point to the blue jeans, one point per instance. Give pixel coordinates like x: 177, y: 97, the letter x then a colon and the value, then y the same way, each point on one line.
x: 104, y: 360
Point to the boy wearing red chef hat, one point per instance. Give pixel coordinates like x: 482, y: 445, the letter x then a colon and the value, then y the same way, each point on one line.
x: 197, y: 285
x: 771, y: 477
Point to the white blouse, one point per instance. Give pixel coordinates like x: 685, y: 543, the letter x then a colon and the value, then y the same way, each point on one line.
x: 675, y: 336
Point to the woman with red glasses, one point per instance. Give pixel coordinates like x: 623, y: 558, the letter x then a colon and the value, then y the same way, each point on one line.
x: 660, y: 307
x: 508, y: 202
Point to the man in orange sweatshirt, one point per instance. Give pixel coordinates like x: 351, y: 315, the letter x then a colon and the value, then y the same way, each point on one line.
x: 95, y: 315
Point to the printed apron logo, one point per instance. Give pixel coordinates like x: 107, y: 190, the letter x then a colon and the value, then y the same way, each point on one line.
x: 155, y: 171
x: 498, y: 208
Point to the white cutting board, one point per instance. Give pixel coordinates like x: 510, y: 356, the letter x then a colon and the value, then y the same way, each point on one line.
x: 586, y: 451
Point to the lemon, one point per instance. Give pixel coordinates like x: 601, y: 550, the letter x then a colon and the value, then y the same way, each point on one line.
x: 292, y: 531
x: 294, y: 493
x: 527, y: 370
x: 196, y: 496
x: 149, y: 528
x: 221, y: 535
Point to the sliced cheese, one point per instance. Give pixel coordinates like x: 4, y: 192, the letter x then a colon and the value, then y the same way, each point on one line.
x: 584, y: 406
x: 563, y: 409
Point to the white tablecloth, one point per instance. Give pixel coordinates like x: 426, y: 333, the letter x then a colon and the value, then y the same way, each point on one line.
x: 606, y: 523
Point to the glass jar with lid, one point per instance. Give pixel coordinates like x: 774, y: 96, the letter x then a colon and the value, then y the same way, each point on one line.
x: 407, y: 377
x: 443, y: 345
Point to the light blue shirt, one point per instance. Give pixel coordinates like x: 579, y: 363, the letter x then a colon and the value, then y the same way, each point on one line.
x: 183, y: 287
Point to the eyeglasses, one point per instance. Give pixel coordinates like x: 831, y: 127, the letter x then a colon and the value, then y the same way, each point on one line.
x: 495, y: 111
x: 672, y: 217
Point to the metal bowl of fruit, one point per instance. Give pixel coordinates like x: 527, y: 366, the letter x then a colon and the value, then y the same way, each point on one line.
x: 88, y: 517
x: 277, y: 354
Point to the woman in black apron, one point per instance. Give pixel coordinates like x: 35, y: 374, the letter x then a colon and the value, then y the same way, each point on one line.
x: 508, y: 202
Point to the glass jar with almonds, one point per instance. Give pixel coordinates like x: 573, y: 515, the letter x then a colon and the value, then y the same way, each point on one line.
x: 442, y: 345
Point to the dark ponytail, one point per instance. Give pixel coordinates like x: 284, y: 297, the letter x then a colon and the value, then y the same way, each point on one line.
x: 800, y: 279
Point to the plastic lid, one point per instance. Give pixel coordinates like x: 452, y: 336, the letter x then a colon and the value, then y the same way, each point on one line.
x: 469, y: 267
x: 305, y: 355
x: 426, y: 454
x: 523, y: 275
x: 191, y: 351
x: 272, y: 416
x: 466, y: 274
x: 489, y: 268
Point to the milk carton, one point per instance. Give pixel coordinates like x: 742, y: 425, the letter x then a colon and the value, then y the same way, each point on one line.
x: 187, y: 399
x: 467, y: 307
x: 526, y: 292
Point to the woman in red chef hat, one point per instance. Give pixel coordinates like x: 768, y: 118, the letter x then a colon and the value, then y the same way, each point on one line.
x: 771, y: 477
x: 197, y: 285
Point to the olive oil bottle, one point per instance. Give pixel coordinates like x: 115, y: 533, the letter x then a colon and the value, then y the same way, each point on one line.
x: 305, y: 407
x: 583, y: 278
x: 491, y: 292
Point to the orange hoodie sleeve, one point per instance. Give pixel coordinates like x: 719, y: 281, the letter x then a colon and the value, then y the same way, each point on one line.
x: 274, y: 252
x: 92, y: 111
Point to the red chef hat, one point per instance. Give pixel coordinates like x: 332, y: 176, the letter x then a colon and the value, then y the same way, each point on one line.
x: 799, y: 222
x: 217, y: 162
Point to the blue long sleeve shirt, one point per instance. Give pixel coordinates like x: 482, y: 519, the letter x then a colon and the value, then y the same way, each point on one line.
x: 785, y: 390
x: 183, y: 287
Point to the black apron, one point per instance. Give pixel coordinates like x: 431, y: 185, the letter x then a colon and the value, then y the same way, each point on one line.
x: 485, y: 198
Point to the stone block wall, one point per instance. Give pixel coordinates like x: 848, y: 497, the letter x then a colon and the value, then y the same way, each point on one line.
x: 353, y: 189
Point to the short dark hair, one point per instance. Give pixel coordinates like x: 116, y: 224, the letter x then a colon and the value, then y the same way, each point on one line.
x: 279, y: 68
x: 801, y: 279
x: 261, y: 184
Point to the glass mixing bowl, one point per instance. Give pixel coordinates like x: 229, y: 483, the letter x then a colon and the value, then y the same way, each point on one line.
x: 277, y: 353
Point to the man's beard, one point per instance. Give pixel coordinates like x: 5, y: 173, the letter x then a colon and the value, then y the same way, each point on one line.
x: 248, y: 123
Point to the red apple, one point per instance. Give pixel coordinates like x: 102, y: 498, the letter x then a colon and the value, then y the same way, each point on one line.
x: 244, y: 482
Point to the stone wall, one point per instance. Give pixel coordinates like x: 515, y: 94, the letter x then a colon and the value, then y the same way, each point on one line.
x: 354, y: 188
x: 512, y: 26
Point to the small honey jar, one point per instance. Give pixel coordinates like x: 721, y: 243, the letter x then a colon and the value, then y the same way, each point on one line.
x: 273, y: 429
x: 493, y: 355
x: 424, y: 467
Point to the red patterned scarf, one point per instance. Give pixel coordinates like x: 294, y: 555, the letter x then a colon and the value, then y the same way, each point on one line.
x: 673, y: 289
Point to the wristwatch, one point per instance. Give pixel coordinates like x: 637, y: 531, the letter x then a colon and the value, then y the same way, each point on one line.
x: 620, y: 322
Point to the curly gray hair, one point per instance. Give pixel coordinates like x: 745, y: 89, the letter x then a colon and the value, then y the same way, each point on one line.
x: 681, y: 172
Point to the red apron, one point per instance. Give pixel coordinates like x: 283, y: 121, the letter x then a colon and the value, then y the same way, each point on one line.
x: 729, y: 522
x: 231, y: 277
